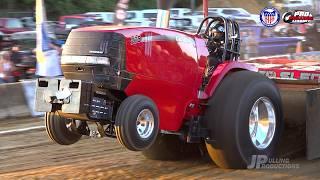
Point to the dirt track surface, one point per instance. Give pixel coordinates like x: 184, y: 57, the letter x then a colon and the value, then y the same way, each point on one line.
x: 31, y: 155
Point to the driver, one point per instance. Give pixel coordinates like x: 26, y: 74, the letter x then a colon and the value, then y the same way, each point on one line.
x: 215, y: 44
x: 217, y: 33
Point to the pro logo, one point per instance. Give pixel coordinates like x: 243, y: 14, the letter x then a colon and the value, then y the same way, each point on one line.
x: 297, y: 17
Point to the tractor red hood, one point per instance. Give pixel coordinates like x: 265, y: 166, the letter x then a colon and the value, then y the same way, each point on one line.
x: 128, y: 31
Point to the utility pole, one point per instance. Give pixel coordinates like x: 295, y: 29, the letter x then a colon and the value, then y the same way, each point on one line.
x: 165, y: 4
x: 317, y: 7
x: 163, y: 16
x: 192, y: 5
x: 121, y: 11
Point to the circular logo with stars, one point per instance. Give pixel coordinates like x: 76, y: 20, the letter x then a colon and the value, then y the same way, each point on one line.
x: 269, y: 16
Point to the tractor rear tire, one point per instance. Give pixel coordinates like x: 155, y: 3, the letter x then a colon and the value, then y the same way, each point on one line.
x: 171, y: 148
x: 60, y: 129
x: 244, y: 105
x: 137, y: 123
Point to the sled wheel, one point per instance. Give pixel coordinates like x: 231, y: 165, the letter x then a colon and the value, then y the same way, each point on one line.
x: 171, y: 148
x: 245, y: 119
x: 137, y: 123
x: 61, y: 130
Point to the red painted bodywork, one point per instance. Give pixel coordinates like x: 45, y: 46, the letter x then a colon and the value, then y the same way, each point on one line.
x: 168, y: 67
x: 221, y: 71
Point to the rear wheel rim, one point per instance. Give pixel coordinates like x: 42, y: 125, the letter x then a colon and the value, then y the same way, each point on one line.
x: 145, y: 123
x: 262, y: 123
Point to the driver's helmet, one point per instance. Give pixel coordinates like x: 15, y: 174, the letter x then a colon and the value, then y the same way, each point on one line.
x: 217, y: 32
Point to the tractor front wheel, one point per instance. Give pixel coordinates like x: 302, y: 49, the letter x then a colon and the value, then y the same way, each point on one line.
x: 61, y: 130
x: 137, y: 123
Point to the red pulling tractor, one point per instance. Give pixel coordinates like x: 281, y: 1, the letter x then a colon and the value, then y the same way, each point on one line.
x: 159, y: 90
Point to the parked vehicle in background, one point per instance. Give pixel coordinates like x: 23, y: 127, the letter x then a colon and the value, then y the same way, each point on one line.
x: 28, y: 22
x: 245, y: 21
x: 182, y: 24
x: 145, y: 23
x: 23, y: 55
x: 236, y: 14
x: 196, y: 13
x: 195, y: 20
x: 135, y: 18
x: 26, y: 35
x: 5, y: 42
x: 71, y: 21
x: 268, y: 42
x: 141, y: 18
x: 141, y: 15
x: 297, y: 5
x: 135, y: 14
x: 11, y: 25
x: 230, y: 11
x: 179, y: 12
x: 107, y: 17
x: 91, y: 23
x: 149, y: 13
x: 317, y: 22
x: 197, y: 17
x: 58, y: 30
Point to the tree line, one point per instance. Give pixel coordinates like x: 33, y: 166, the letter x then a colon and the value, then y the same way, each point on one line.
x: 56, y: 8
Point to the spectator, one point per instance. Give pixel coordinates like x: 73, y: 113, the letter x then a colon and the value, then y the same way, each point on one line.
x: 266, y: 33
x: 16, y: 59
x: 312, y: 38
x: 6, y: 68
x: 16, y: 56
x: 1, y: 41
x: 292, y: 32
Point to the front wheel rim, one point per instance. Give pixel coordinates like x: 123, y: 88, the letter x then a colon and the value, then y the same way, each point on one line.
x: 262, y: 123
x: 145, y: 123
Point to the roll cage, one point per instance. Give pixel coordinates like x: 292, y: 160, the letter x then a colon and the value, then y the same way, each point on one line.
x: 231, y: 47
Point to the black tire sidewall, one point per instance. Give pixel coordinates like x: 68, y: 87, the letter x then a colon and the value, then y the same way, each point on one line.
x: 251, y: 95
x: 134, y: 138
x: 227, y: 117
x: 126, y: 121
x: 57, y: 130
